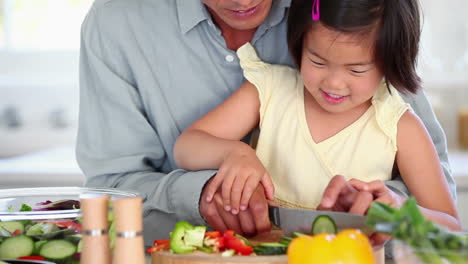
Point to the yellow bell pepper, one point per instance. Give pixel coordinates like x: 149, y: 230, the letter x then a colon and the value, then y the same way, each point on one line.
x: 349, y: 246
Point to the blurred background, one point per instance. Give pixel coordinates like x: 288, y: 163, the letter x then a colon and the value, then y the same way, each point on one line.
x: 39, y: 50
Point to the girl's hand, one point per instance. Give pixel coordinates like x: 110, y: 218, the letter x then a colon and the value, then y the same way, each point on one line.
x: 239, y: 175
x: 380, y: 192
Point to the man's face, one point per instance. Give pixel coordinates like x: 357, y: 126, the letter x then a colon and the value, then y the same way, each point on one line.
x: 239, y: 14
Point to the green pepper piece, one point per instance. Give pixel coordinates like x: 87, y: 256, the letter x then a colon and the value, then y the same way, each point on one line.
x: 178, y: 245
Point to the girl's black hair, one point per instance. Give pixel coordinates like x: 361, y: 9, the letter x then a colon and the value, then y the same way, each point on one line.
x: 397, y: 24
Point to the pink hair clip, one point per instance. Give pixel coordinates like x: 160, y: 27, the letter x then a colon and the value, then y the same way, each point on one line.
x: 316, y: 10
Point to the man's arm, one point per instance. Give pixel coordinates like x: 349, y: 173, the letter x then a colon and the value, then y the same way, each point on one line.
x: 117, y: 147
x: 423, y: 109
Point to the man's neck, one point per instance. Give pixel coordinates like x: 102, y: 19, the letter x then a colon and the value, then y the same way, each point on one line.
x: 234, y: 38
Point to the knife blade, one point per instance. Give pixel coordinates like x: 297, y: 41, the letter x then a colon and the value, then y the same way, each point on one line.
x: 300, y: 220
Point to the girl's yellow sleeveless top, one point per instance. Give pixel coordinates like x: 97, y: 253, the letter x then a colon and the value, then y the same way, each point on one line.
x: 299, y: 167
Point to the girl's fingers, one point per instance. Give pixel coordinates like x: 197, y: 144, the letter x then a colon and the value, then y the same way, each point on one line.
x: 269, y: 187
x: 236, y: 192
x: 335, y: 188
x: 358, y: 184
x: 361, y: 203
x: 249, y: 188
x: 213, y: 186
x: 226, y: 190
x: 377, y: 187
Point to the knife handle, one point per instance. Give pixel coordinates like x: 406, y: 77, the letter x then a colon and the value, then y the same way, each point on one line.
x: 273, y: 213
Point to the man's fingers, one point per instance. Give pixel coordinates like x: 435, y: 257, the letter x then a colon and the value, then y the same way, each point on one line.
x: 335, y: 187
x: 247, y: 223
x: 377, y: 239
x: 361, y: 203
x: 258, y: 206
x: 269, y: 187
x: 231, y: 221
x: 209, y: 211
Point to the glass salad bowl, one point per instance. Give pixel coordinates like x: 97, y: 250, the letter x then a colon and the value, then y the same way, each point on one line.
x: 44, y: 224
x: 406, y: 254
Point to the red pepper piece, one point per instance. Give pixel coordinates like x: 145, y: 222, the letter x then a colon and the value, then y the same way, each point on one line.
x: 16, y: 232
x: 213, y: 234
x: 32, y: 257
x: 233, y: 242
x: 158, y: 248
x: 161, y: 242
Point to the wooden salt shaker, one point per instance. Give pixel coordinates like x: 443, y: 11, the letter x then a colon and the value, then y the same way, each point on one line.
x: 129, y: 245
x: 96, y: 247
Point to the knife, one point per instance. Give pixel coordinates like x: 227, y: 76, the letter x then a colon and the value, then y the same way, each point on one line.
x: 300, y: 220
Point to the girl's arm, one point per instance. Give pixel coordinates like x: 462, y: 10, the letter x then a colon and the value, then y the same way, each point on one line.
x: 205, y: 144
x: 420, y: 169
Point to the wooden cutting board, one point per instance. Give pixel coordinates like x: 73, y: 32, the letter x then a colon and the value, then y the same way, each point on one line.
x: 165, y: 257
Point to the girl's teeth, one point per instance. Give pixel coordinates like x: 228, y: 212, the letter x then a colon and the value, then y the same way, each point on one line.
x: 334, y: 96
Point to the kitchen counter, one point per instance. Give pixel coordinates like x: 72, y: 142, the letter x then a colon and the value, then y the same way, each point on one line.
x: 52, y: 167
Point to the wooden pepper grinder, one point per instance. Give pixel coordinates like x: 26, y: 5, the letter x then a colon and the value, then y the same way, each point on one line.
x: 129, y: 245
x: 96, y: 247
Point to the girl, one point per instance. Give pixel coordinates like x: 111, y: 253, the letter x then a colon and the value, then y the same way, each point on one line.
x: 339, y: 113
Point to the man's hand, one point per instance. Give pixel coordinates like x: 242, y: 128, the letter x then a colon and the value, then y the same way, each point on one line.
x: 252, y: 221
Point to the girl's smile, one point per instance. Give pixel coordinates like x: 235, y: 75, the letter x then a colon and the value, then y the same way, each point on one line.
x: 333, y: 98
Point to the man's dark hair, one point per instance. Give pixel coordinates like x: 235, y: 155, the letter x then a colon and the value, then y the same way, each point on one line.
x: 397, y: 25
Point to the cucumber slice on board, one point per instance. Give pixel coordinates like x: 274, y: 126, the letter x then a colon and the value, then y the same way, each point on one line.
x: 58, y: 249
x: 323, y: 224
x: 15, y: 247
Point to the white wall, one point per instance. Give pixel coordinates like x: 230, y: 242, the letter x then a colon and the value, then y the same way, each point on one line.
x: 41, y: 89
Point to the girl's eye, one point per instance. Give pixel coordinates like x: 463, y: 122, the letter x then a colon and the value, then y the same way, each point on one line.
x: 359, y: 72
x: 317, y: 63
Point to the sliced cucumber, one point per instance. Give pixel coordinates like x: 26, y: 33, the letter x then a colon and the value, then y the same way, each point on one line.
x: 38, y: 245
x: 272, y: 248
x: 58, y: 249
x: 323, y: 224
x: 15, y: 247
x: 12, y: 226
x: 298, y: 234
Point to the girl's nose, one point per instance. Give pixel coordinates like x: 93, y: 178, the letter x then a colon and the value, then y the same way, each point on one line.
x: 334, y: 81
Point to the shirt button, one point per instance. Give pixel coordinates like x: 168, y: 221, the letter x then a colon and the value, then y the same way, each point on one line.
x: 229, y: 58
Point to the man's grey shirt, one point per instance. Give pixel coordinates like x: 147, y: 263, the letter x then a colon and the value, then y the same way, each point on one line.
x: 148, y: 69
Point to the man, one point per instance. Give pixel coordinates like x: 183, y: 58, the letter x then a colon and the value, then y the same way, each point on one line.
x: 149, y: 68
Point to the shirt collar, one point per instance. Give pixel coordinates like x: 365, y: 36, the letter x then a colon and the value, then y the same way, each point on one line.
x: 192, y: 12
